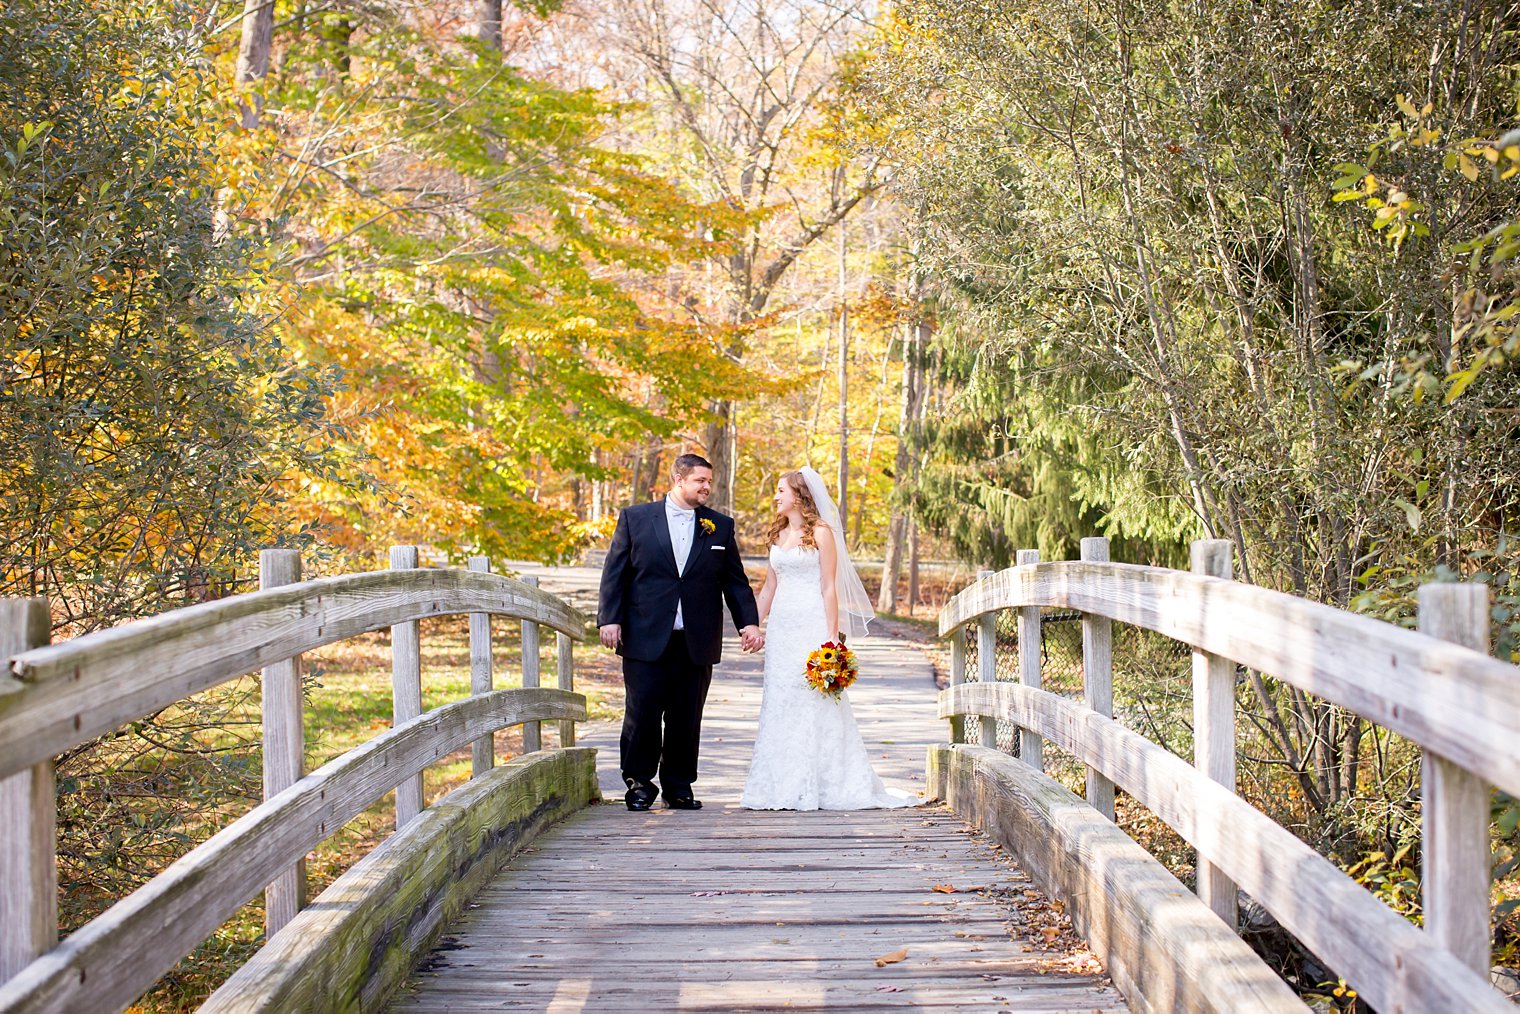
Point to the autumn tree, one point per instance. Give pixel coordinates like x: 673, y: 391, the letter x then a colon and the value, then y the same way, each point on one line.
x: 153, y: 418
x: 463, y: 242
x: 152, y: 415
x: 733, y: 88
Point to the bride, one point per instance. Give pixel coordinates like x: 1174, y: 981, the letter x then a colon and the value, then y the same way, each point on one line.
x: 808, y: 750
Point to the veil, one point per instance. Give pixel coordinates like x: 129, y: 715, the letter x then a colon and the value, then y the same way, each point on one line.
x: 855, y: 610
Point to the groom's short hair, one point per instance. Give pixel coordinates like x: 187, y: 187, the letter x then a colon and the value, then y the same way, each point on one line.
x: 686, y: 462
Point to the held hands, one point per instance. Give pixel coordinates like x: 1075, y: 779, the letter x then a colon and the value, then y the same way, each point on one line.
x: 751, y: 639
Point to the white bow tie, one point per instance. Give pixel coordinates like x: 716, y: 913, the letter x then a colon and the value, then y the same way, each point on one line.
x: 684, y: 515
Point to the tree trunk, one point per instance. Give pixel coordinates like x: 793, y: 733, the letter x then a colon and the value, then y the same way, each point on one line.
x: 718, y: 440
x: 844, y: 391
x: 891, y: 564
x: 891, y: 569
x: 912, y: 565
x: 488, y: 23
x: 253, y: 55
x: 647, y: 482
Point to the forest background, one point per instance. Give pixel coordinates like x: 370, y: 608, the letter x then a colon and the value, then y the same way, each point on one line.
x: 470, y: 274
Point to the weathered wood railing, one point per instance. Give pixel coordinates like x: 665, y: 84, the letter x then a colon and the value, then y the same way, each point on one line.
x: 54, y: 697
x: 1438, y: 687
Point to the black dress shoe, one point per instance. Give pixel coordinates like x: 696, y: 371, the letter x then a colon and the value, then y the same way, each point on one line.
x: 683, y: 803
x: 639, y: 798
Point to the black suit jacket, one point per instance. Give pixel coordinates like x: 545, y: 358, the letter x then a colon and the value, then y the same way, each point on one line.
x: 641, y: 586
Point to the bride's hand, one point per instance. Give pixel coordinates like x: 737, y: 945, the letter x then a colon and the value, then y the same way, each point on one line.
x: 751, y: 639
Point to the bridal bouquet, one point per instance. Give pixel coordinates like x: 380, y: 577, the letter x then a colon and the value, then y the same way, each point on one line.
x: 832, y: 667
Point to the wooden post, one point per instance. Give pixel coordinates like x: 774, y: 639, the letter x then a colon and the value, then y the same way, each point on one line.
x: 1455, y: 803
x: 565, y: 659
x: 986, y: 664
x: 1031, y: 746
x: 1098, y: 677
x: 533, y: 739
x: 28, y: 820
x: 482, y: 751
x: 406, y: 688
x: 284, y: 742
x: 1214, y: 725
x: 957, y: 677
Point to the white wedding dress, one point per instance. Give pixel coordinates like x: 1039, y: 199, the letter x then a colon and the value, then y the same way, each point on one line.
x: 808, y: 750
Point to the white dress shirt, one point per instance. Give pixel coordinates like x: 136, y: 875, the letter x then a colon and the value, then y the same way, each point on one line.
x: 683, y: 526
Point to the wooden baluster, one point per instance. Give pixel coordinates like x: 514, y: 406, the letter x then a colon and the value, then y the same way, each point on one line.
x: 957, y: 677
x: 1031, y: 746
x: 986, y: 664
x: 28, y: 820
x: 565, y: 660
x: 1098, y: 677
x: 483, y: 750
x: 406, y: 688
x: 532, y: 731
x: 1455, y: 803
x: 284, y: 741
x: 1214, y: 725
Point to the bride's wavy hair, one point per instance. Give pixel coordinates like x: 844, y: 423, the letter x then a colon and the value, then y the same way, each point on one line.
x: 805, y: 504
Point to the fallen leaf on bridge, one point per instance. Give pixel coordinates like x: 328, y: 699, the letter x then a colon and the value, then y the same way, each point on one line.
x: 945, y: 888
x: 889, y: 989
x: 901, y: 954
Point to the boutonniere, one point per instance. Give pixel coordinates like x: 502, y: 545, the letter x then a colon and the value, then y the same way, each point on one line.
x: 706, y: 526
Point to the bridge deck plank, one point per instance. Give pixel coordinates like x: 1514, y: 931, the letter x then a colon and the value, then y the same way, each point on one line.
x: 729, y: 909
x: 619, y: 912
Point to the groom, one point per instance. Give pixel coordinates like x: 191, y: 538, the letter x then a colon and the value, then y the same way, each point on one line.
x: 671, y: 565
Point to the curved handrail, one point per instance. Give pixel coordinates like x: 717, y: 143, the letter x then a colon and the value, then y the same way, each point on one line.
x: 1391, y: 962
x: 1452, y: 700
x: 108, y: 963
x: 79, y: 689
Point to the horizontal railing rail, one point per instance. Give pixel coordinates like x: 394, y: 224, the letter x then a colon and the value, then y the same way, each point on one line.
x: 75, y: 691
x: 1433, y: 686
x: 1456, y: 701
x: 1388, y: 959
x: 109, y: 962
x: 56, y: 697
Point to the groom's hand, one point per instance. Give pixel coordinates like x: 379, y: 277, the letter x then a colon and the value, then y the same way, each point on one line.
x: 751, y: 639
x: 612, y: 635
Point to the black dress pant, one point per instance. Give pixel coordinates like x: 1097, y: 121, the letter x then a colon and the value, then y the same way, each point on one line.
x: 662, y: 718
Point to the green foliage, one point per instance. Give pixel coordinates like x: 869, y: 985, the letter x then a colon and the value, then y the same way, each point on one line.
x: 1473, y: 184
x: 1008, y: 467
x: 1395, y: 879
x: 1133, y: 231
x: 147, y: 418
x: 1161, y: 322
x: 150, y: 418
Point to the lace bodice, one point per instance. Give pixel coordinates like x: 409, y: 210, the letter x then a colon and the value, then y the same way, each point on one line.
x: 799, y: 588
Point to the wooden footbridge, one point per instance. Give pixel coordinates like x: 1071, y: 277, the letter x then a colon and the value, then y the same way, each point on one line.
x: 517, y: 891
